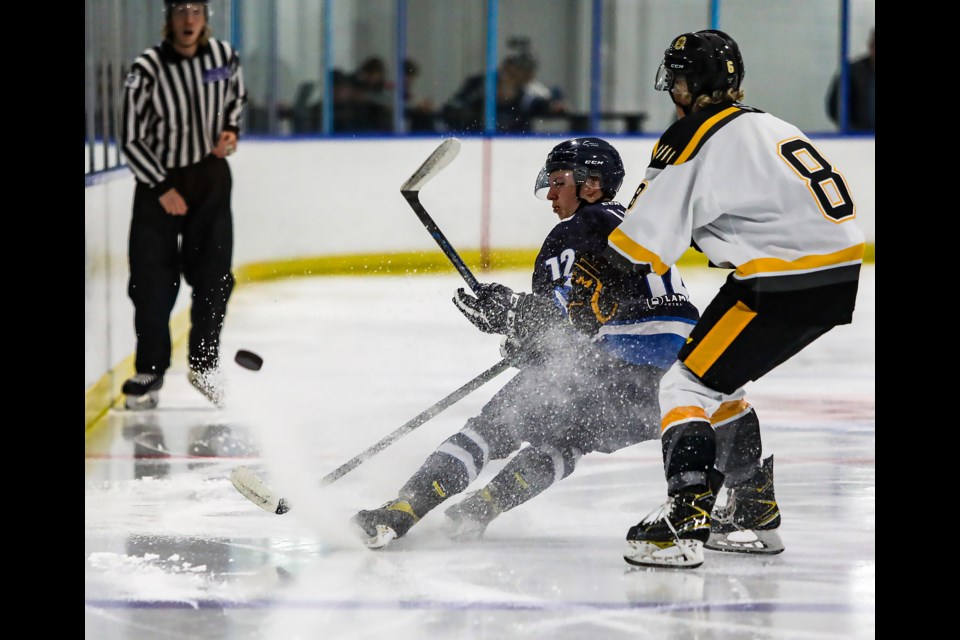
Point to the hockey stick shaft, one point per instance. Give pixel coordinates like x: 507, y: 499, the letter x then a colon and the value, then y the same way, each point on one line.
x: 440, y: 158
x: 409, y: 426
x: 252, y: 487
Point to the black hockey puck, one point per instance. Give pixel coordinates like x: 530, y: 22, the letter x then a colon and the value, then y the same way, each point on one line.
x: 248, y: 360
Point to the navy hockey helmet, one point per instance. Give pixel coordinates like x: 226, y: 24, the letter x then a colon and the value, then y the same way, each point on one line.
x: 709, y: 60
x: 585, y: 157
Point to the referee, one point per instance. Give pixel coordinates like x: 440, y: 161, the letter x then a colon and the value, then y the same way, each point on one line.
x: 183, y: 102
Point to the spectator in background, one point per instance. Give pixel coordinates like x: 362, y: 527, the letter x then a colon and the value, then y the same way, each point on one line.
x: 861, y: 91
x: 344, y: 114
x: 536, y: 99
x: 520, y: 97
x: 420, y: 113
x: 464, y: 110
x: 182, y: 221
x: 372, y: 101
x: 363, y: 101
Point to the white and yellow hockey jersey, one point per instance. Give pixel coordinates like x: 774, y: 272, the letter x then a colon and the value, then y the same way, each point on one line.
x: 752, y: 193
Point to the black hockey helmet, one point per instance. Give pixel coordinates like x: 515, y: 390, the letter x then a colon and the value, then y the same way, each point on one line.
x: 709, y: 60
x: 731, y: 51
x: 586, y: 157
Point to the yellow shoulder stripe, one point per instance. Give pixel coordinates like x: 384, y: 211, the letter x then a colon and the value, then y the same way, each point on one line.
x: 702, y: 131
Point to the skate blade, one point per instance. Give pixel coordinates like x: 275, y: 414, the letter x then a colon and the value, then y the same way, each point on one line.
x: 145, y: 402
x: 683, y: 554
x: 746, y: 541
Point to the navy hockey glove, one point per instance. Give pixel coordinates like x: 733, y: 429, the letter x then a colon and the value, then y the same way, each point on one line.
x: 589, y: 305
x: 494, y: 308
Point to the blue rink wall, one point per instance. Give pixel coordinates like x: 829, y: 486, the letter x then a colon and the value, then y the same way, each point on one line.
x: 309, y: 207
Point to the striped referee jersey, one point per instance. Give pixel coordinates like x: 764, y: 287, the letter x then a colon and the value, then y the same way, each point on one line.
x: 175, y: 108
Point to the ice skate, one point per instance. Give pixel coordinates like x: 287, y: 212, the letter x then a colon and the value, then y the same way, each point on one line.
x: 380, y: 527
x: 674, y: 535
x: 142, y: 391
x: 749, y: 521
x: 468, y: 519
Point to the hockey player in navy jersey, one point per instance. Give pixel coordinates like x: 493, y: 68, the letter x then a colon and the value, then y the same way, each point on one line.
x: 590, y: 343
x: 754, y: 194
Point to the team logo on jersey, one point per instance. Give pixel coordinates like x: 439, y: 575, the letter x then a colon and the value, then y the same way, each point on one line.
x: 670, y: 298
x: 132, y: 81
x: 217, y: 74
x: 680, y: 43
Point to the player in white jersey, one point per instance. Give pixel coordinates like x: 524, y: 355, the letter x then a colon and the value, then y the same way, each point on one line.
x: 752, y: 193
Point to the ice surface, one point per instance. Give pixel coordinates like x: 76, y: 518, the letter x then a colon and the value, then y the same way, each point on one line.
x: 173, y: 551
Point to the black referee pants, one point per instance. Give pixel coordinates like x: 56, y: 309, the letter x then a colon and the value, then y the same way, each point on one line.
x: 198, y: 245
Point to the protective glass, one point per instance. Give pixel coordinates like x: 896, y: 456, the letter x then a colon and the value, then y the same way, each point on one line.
x: 544, y: 181
x: 665, y: 79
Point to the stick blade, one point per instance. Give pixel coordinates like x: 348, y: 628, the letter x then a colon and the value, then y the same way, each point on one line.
x: 440, y: 158
x: 256, y: 491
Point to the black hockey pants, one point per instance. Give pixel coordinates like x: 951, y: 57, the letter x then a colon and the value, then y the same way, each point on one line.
x: 198, y: 245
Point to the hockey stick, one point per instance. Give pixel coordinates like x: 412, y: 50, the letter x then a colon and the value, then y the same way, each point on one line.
x: 440, y: 158
x: 256, y: 490
x: 249, y: 484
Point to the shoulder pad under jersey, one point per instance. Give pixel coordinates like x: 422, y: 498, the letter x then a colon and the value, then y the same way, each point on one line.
x: 686, y: 136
